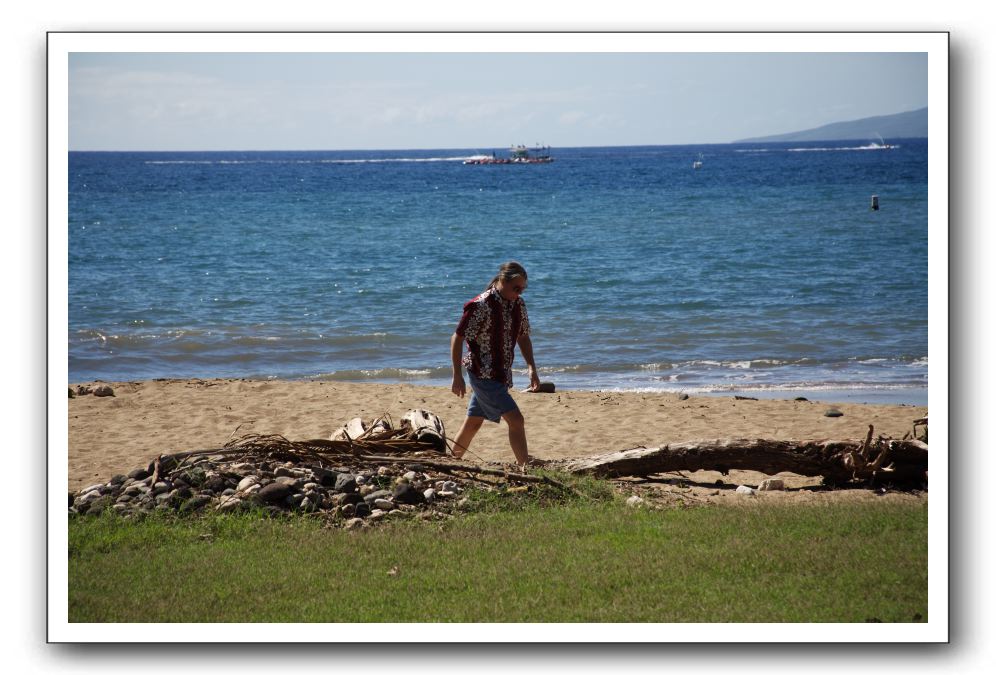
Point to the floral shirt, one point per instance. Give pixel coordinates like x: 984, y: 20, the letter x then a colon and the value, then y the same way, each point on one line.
x: 491, y: 327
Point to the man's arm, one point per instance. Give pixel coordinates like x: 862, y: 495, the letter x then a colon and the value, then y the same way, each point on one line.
x: 526, y: 348
x: 459, y: 387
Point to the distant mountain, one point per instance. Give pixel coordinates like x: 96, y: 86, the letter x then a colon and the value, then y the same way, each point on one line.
x: 911, y: 124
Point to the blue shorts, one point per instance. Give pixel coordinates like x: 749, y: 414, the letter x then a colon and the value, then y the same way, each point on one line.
x: 490, y: 399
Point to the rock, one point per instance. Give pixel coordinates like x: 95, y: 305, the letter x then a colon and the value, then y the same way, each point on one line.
x: 362, y: 509
x: 383, y: 504
x: 429, y: 494
x: 634, y: 501
x: 375, y: 495
x: 354, y: 523
x: 83, y: 390
x: 800, y: 398
x: 139, y: 474
x: 229, y: 505
x: 410, y: 476
x: 404, y: 493
x: 287, y: 480
x: 345, y: 482
x: 682, y: 397
x: 324, y: 477
x: 294, y: 500
x: 744, y: 490
x: 274, y: 493
x: 833, y: 412
x: 348, y: 510
x: 103, y: 390
x: 282, y: 471
x: 376, y: 515
x: 92, y: 488
x: 195, y: 503
x: 72, y: 394
x: 771, y: 484
x: 246, y: 482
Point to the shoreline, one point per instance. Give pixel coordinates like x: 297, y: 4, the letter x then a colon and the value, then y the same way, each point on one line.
x: 115, y: 434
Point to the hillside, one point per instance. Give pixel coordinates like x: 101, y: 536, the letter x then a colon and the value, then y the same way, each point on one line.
x: 912, y: 124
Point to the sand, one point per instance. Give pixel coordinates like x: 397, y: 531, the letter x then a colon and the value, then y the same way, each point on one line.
x: 113, y: 435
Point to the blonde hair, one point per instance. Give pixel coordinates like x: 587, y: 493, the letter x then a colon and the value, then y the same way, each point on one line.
x: 507, y: 272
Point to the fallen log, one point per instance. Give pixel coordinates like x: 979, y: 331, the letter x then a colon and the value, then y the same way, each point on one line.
x: 884, y: 461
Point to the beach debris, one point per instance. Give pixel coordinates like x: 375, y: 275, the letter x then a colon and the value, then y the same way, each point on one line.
x: 384, y: 472
x: 900, y: 463
x: 744, y: 490
x: 771, y: 484
x: 832, y: 412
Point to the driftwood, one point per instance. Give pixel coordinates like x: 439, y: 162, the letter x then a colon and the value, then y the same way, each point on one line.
x: 838, y: 462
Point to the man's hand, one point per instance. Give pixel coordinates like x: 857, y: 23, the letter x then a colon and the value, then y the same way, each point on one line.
x: 534, y: 381
x: 459, y: 387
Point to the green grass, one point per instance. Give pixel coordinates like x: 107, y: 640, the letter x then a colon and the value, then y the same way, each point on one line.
x: 591, y: 560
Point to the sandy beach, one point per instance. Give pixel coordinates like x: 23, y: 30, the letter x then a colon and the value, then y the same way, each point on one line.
x: 112, y: 435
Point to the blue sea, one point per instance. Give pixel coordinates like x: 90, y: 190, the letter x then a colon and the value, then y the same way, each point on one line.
x: 762, y: 273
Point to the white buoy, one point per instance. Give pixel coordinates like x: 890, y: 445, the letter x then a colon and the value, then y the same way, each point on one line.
x: 874, y: 203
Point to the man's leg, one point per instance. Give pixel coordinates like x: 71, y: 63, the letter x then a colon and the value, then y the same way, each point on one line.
x: 469, y: 429
x: 517, y: 435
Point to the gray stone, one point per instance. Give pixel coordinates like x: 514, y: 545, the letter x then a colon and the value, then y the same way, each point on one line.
x: 744, y: 490
x: 103, y: 390
x: 323, y: 476
x: 246, y: 482
x: 294, y: 500
x: 404, y: 493
x: 229, y: 505
x: 383, y: 504
x: 274, y: 493
x: 354, y: 523
x: 72, y: 394
x: 362, y: 509
x: 345, y: 482
x: 634, y: 501
x: 376, y: 514
x: 195, y: 503
x: 833, y: 412
x: 771, y: 484
x: 348, y: 510
x: 682, y: 397
x: 139, y: 474
x: 375, y: 495
x: 282, y: 471
x: 287, y: 480
x: 429, y: 494
x: 410, y: 476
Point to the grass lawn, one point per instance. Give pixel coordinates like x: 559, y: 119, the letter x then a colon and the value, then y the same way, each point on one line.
x: 581, y: 561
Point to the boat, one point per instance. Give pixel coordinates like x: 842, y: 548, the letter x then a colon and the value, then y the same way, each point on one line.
x: 697, y: 164
x: 518, y: 154
x: 881, y: 144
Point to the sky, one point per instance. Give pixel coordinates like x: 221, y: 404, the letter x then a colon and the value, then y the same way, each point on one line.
x: 348, y: 101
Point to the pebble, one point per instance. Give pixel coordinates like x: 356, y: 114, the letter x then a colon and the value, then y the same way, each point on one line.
x: 772, y: 484
x: 744, y: 490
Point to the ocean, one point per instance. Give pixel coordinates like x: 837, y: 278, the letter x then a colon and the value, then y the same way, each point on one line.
x: 763, y: 273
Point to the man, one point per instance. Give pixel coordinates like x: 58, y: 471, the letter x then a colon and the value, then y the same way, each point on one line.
x: 491, y: 325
